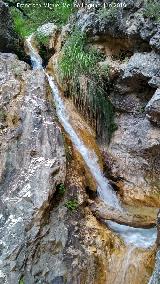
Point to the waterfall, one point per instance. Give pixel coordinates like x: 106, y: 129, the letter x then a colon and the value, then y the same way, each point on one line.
x: 104, y: 189
x: 33, y: 53
x: 135, y: 237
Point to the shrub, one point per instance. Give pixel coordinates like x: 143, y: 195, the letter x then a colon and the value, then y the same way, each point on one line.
x: 152, y: 9
x: 22, y: 26
x: 71, y: 204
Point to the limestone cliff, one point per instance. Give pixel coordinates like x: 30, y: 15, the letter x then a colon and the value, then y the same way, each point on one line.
x: 128, y: 41
x: 53, y: 227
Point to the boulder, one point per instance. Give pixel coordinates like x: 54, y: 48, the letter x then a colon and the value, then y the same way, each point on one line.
x: 47, y: 29
x: 154, y: 41
x: 143, y: 65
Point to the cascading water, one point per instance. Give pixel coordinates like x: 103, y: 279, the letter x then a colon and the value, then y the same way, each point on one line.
x: 35, y: 57
x: 133, y: 237
x: 137, y: 237
x: 103, y: 187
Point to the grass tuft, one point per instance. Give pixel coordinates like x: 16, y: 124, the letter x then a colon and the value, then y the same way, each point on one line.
x: 79, y: 59
x: 76, y: 57
x: 72, y: 205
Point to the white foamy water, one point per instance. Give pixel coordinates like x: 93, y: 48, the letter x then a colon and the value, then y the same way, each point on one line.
x: 104, y: 189
x: 35, y: 57
x: 132, y: 236
x: 138, y: 237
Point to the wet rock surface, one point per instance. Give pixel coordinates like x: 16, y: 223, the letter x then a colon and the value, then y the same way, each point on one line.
x: 42, y: 240
x: 32, y: 161
x: 155, y: 279
x: 136, y: 220
x: 130, y: 42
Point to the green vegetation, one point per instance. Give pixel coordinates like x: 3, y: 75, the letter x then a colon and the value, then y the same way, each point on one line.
x: 72, y: 205
x: 21, y: 281
x: 61, y: 189
x: 76, y: 57
x: 142, y: 109
x: 152, y: 9
x: 79, y: 59
x: 39, y: 14
x: 109, y: 14
x: 42, y: 39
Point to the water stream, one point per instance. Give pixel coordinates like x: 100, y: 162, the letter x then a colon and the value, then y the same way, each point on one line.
x: 103, y: 187
x: 133, y: 237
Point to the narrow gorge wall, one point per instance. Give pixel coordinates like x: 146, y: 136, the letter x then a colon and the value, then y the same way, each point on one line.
x: 52, y: 230
x: 129, y: 42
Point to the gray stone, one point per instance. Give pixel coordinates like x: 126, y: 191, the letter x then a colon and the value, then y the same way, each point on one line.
x: 134, y: 154
x: 48, y: 29
x: 153, y: 108
x: 155, y: 40
x: 143, y: 65
x: 32, y: 161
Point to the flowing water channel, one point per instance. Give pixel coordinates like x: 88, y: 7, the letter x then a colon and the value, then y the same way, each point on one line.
x: 132, y: 237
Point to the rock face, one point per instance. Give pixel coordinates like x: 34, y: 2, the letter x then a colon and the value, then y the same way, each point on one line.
x: 48, y: 232
x: 41, y: 240
x: 144, y: 65
x: 9, y: 41
x: 134, y: 158
x: 129, y: 40
x: 155, y: 279
x: 153, y: 108
x: 126, y: 22
x: 32, y: 161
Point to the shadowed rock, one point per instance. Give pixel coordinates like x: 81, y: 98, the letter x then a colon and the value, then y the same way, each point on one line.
x: 104, y: 213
